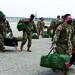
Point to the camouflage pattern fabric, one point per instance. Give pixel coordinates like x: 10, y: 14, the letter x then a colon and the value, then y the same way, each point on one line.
x: 3, y: 26
x: 54, y: 24
x: 2, y: 41
x: 40, y: 26
x: 19, y: 38
x: 73, y: 40
x: 27, y: 33
x: 63, y: 39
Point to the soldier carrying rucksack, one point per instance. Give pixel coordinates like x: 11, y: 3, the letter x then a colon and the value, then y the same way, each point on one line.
x: 27, y: 31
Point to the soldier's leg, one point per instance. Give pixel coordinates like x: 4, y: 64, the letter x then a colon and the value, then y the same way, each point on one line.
x: 42, y: 33
x: 29, y: 42
x: 72, y: 60
x: 53, y: 69
x: 73, y: 54
x: 66, y: 73
x: 39, y: 31
x: 52, y: 37
x: 2, y: 43
x: 63, y: 50
x: 24, y: 40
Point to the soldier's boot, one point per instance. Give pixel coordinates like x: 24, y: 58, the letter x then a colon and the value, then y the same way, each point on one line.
x: 74, y: 63
x: 53, y: 69
x: 66, y: 73
x: 3, y: 50
x: 21, y: 47
x: 42, y: 36
x: 29, y: 50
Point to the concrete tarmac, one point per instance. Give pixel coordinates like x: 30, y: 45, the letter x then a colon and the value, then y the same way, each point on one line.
x: 17, y: 62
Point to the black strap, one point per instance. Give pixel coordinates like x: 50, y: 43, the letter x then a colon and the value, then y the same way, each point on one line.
x: 11, y: 36
x: 50, y: 51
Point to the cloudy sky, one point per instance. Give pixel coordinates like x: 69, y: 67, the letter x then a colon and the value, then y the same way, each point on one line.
x: 44, y: 8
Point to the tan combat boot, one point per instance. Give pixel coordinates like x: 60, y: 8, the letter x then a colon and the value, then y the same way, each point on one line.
x: 53, y: 69
x: 66, y: 73
x: 21, y: 47
x: 74, y: 63
x: 3, y: 50
x: 29, y: 49
x: 42, y: 36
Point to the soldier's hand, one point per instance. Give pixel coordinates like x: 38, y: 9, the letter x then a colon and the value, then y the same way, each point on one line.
x: 54, y: 47
x: 38, y: 34
x: 11, y: 33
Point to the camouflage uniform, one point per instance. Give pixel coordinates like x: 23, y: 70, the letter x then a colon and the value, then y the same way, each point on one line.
x: 27, y: 33
x: 54, y: 24
x: 40, y: 26
x: 3, y: 26
x: 63, y: 39
x: 72, y: 61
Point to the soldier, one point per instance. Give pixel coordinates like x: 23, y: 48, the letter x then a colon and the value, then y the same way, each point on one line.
x: 62, y: 18
x: 6, y: 20
x: 27, y: 33
x: 63, y: 38
x: 73, y: 45
x: 40, y: 26
x: 54, y: 24
x: 3, y: 26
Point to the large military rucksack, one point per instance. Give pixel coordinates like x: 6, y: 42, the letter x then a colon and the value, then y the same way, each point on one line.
x: 35, y: 36
x: 45, y: 34
x: 55, y: 60
x: 1, y: 16
x: 21, y: 26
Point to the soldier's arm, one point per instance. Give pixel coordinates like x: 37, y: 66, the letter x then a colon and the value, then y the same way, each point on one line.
x: 57, y: 34
x: 50, y: 28
x: 39, y: 23
x: 73, y: 36
x: 23, y: 21
x: 34, y: 27
x: 43, y: 24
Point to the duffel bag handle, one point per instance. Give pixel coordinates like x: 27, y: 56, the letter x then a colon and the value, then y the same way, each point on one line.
x: 51, y: 51
x: 11, y: 36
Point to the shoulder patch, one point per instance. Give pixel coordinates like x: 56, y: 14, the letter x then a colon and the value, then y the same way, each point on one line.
x: 58, y: 28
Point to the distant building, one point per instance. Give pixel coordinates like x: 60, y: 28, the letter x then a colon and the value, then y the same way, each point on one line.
x: 36, y: 15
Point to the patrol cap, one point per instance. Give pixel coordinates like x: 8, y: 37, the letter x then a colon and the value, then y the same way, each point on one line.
x: 58, y: 16
x: 32, y: 15
x: 65, y: 16
x: 1, y: 16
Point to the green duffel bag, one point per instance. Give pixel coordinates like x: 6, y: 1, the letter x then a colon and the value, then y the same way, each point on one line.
x: 56, y: 61
x: 21, y: 26
x: 45, y: 34
x: 7, y: 31
x: 50, y: 34
x: 34, y: 36
x: 1, y: 16
x: 33, y: 30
